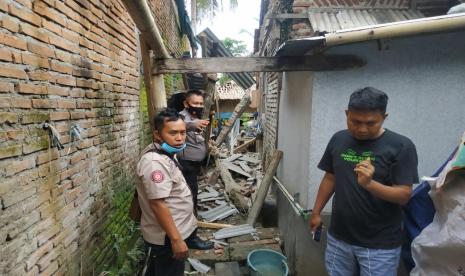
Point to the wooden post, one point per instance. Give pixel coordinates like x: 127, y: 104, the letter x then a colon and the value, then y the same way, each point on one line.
x: 146, y: 60
x: 158, y: 90
x: 238, y: 110
x: 264, y: 187
x: 231, y: 187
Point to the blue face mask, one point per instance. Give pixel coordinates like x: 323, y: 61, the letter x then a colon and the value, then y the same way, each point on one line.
x: 172, y: 150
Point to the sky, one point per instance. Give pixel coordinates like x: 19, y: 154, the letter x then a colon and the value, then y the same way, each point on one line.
x: 229, y: 23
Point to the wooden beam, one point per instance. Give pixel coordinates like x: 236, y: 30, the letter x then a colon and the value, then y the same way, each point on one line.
x: 232, y: 189
x: 244, y: 146
x: 212, y: 225
x: 145, y: 54
x: 276, y: 156
x: 256, y: 64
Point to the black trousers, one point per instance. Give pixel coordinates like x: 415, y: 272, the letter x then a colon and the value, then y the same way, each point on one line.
x: 160, y: 261
x: 190, y: 170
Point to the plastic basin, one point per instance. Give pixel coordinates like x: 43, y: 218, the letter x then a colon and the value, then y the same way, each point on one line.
x: 266, y: 262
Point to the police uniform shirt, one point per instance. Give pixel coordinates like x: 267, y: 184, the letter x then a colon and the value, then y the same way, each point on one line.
x: 161, y: 178
x: 196, y: 148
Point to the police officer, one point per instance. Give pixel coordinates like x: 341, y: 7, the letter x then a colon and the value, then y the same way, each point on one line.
x: 168, y: 224
x: 192, y: 157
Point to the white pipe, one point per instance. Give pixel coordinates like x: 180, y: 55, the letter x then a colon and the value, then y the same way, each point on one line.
x: 142, y: 15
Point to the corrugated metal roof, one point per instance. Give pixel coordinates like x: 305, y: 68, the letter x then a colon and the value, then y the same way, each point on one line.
x: 230, y: 91
x: 216, y: 48
x: 334, y: 19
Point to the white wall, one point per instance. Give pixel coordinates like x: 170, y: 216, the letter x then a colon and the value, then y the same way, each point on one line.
x: 425, y: 80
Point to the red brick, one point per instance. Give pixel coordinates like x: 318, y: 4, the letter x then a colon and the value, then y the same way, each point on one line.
x: 41, y: 75
x: 70, y: 35
x: 59, y: 115
x: 78, y: 115
x: 34, y: 32
x: 84, y: 83
x: 8, y: 117
x: 25, y: 88
x: 74, y: 26
x: 10, y: 24
x: 45, y: 11
x: 84, y: 104
x: 66, y: 10
x: 64, y: 56
x: 6, y: 54
x: 34, y: 60
x: 57, y: 90
x: 66, y: 104
x: 17, y: 57
x: 66, y: 80
x: 26, y: 3
x: 41, y: 49
x: 13, y: 41
x: 47, y: 156
x: 61, y: 67
x: 20, y: 103
x: 6, y: 87
x: 12, y: 72
x: 20, y: 165
x: 77, y: 157
x: 77, y: 93
x: 64, y: 44
x: 24, y: 14
x: 44, y: 103
x: 35, y: 117
x: 52, y: 27
x: 4, y: 6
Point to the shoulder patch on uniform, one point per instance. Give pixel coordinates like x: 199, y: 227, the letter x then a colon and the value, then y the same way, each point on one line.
x: 157, y: 176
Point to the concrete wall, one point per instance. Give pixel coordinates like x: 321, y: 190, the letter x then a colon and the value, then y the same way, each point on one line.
x: 424, y: 78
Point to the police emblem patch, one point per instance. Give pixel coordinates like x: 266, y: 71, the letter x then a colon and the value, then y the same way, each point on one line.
x: 157, y: 176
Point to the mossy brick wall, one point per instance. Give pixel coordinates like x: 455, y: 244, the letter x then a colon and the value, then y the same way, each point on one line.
x: 69, y: 62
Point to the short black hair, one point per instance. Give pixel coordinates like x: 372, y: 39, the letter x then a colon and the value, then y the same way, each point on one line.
x: 194, y: 92
x: 368, y: 99
x: 166, y: 115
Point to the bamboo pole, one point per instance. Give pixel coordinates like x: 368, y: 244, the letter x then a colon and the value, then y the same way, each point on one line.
x: 264, y: 187
x: 213, y: 225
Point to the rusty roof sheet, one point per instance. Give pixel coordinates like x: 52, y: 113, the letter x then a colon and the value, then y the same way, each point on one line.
x: 328, y: 20
x: 230, y: 91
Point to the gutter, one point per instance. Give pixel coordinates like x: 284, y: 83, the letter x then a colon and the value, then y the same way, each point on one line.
x: 428, y: 25
x: 397, y: 29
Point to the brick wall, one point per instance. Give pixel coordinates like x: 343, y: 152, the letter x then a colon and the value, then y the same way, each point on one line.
x: 68, y: 62
x: 270, y: 39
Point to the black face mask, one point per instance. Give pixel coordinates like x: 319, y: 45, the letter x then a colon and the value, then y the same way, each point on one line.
x: 197, y: 111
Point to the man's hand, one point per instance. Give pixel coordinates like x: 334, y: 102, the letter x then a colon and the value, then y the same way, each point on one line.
x: 315, y: 221
x: 201, y: 124
x: 364, y: 171
x: 180, y: 250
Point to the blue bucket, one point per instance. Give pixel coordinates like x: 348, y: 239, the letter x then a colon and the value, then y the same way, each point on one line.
x: 266, y: 262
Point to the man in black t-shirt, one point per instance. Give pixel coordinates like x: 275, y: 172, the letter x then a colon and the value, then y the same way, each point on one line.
x: 370, y: 171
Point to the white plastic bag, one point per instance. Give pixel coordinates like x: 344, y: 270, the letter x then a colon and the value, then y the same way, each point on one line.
x: 440, y: 248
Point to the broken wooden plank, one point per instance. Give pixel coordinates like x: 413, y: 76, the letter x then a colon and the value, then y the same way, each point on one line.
x: 318, y: 62
x: 250, y: 159
x: 244, y: 166
x: 236, y: 169
x: 244, y: 146
x: 276, y: 156
x: 233, y: 157
x: 232, y: 189
x: 212, y: 225
x: 227, y: 269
